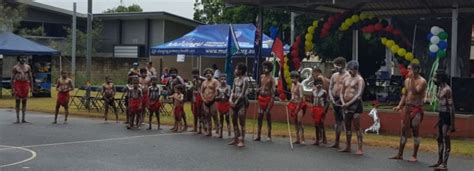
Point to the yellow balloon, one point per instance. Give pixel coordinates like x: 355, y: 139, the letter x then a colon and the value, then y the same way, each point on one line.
x: 384, y: 40
x: 315, y: 23
x: 390, y: 43
x: 402, y: 52
x: 349, y: 22
x: 363, y: 15
x: 370, y: 16
x: 355, y: 18
x: 415, y: 61
x: 309, y: 37
x: 409, y: 56
x: 307, y: 43
x: 394, y: 48
x: 311, y: 29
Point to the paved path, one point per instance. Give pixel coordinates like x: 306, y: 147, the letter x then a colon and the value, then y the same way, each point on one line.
x: 89, y: 144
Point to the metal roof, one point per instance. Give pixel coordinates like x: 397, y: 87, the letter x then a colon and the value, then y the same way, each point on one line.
x: 378, y: 7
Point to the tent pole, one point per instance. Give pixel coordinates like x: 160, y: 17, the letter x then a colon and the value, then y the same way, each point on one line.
x: 454, y: 40
x: 73, y: 51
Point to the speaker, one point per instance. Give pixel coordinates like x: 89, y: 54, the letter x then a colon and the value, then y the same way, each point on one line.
x: 463, y: 95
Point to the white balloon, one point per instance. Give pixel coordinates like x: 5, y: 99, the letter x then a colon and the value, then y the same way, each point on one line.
x: 434, y: 39
x: 434, y: 48
x: 441, y: 30
x: 435, y: 30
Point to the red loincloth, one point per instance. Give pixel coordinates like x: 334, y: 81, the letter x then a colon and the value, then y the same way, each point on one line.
x: 317, y: 113
x: 63, y: 98
x: 293, y: 106
x: 154, y: 106
x: 178, y: 112
x: 223, y: 107
x: 134, y: 105
x: 410, y: 112
x: 144, y: 100
x: 21, y: 87
x: 197, y: 104
x: 264, y: 101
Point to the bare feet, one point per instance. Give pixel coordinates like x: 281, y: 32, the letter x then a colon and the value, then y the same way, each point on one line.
x: 17, y: 122
x: 396, y: 157
x: 435, y: 165
x: 413, y: 159
x: 345, y: 150
x: 297, y: 142
x: 256, y: 139
x: 233, y: 142
x: 23, y: 121
x: 442, y: 167
x: 149, y: 128
x: 335, y: 145
x: 55, y: 122
x: 359, y: 152
x: 269, y: 139
x: 316, y: 143
x: 241, y: 144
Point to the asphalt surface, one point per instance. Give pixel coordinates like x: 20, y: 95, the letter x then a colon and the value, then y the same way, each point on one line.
x: 89, y: 144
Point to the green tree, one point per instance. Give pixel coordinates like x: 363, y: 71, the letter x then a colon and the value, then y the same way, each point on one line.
x: 65, y: 46
x: 122, y: 8
x: 10, y: 16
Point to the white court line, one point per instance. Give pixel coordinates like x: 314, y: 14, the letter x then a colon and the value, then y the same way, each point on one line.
x: 90, y: 141
x: 33, y: 155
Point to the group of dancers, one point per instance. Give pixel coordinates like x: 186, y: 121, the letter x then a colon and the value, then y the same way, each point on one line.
x: 214, y: 101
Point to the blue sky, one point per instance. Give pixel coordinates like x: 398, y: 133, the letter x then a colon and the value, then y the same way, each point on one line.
x: 179, y: 7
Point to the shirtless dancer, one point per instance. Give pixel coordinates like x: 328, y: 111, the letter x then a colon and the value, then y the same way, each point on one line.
x: 239, y: 104
x: 172, y: 82
x: 351, y: 94
x: 265, y: 99
x: 411, y: 103
x: 319, y: 103
x: 21, y: 80
x: 208, y: 94
x: 446, y: 120
x: 134, y: 103
x: 63, y: 86
x: 223, y: 104
x: 154, y: 103
x: 144, y: 84
x: 196, y: 104
x: 297, y: 106
x: 318, y: 74
x: 335, y: 88
x: 108, y: 93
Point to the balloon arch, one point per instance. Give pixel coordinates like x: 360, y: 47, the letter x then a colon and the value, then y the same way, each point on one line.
x: 369, y: 24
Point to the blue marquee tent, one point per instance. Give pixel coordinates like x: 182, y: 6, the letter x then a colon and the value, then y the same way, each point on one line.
x: 211, y: 41
x: 11, y: 44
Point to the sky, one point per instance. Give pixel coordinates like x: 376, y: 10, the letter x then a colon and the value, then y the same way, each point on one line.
x: 182, y: 8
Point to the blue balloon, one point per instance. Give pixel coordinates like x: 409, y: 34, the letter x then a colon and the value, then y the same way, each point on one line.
x: 443, y: 45
x: 429, y: 36
x: 432, y: 55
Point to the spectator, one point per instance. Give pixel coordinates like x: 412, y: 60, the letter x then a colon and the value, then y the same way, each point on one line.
x: 151, y: 71
x: 217, y: 72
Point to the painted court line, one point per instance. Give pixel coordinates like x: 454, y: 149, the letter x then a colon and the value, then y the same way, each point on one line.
x: 33, y: 155
x: 91, y: 141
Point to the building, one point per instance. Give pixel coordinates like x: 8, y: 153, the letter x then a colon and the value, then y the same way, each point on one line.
x: 126, y: 35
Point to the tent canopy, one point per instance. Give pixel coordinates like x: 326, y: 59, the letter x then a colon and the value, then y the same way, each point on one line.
x: 12, y: 44
x: 211, y: 41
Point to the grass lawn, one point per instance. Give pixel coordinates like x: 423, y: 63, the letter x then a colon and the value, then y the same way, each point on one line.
x: 462, y: 147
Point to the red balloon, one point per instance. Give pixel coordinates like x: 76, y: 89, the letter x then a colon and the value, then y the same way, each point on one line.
x: 298, y: 38
x: 389, y: 28
x: 364, y: 29
x: 397, y: 32
x: 331, y: 19
x: 294, y: 53
x: 378, y: 27
x: 370, y: 28
x: 326, y: 26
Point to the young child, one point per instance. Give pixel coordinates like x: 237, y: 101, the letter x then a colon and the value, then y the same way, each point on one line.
x: 134, y: 103
x: 223, y: 104
x: 63, y: 86
x: 297, y: 106
x: 196, y: 104
x: 154, y: 104
x: 319, y: 104
x: 373, y: 114
x: 178, y: 101
x: 108, y: 94
x: 144, y: 81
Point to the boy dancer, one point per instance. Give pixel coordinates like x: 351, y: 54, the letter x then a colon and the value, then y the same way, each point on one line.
x: 178, y: 111
x: 196, y: 104
x: 319, y: 105
x: 63, y: 86
x: 135, y: 96
x: 144, y: 84
x: 265, y: 99
x: 108, y: 93
x: 239, y: 104
x: 154, y: 104
x: 297, y: 106
x: 223, y: 104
